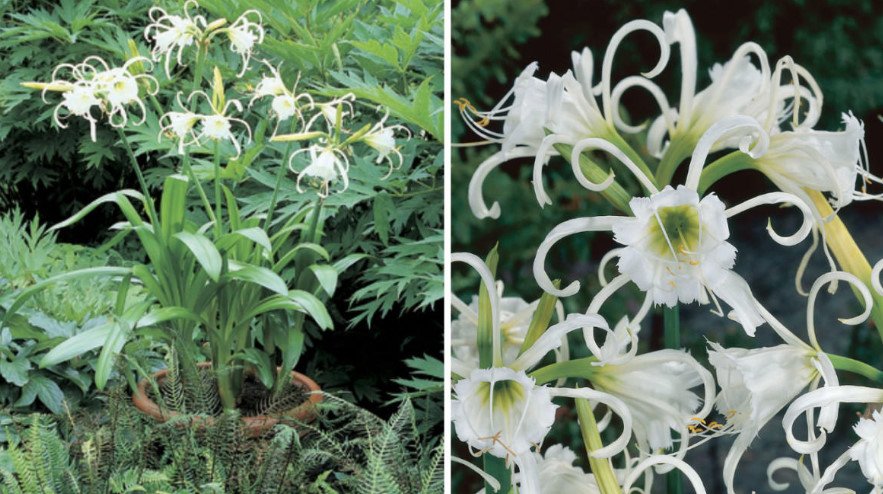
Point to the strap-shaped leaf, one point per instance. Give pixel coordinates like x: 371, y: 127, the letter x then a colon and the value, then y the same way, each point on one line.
x: 261, y: 361
x: 165, y: 314
x: 313, y: 306
x: 258, y: 275
x: 327, y: 277
x: 173, y: 205
x: 118, y: 197
x: 342, y: 265
x: 78, y: 345
x: 293, y: 253
x: 204, y: 250
x: 119, y: 334
x: 255, y: 234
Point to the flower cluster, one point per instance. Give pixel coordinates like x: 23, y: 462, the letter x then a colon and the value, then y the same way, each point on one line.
x: 673, y: 245
x: 212, y: 121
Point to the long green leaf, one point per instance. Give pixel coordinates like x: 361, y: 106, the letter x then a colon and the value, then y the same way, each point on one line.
x: 78, y: 345
x: 204, y: 250
x: 313, y: 306
x: 118, y: 197
x: 327, y: 277
x: 257, y: 275
x: 173, y: 205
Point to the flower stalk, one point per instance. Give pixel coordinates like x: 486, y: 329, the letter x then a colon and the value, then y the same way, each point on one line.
x: 601, y: 468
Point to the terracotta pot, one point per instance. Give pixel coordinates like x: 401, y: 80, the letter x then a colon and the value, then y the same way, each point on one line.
x: 255, y: 426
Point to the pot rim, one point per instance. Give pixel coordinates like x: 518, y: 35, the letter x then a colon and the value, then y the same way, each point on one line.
x: 305, y: 412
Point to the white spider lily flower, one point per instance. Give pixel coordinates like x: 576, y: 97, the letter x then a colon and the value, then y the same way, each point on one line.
x: 180, y: 125
x: 382, y: 139
x: 557, y: 473
x: 244, y: 33
x: 171, y: 34
x: 515, y: 316
x: 868, y: 451
x: 502, y: 411
x: 119, y: 88
x: 78, y: 101
x: 94, y: 83
x: 543, y: 114
x: 326, y: 165
x: 828, y: 162
x: 738, y: 87
x: 334, y: 110
x: 675, y: 245
x: 752, y: 390
x: 523, y: 117
x: 286, y: 103
x: 657, y: 389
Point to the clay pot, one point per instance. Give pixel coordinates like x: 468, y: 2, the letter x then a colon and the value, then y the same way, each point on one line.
x: 254, y: 426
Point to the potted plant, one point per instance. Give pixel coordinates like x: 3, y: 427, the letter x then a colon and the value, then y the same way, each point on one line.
x: 228, y: 290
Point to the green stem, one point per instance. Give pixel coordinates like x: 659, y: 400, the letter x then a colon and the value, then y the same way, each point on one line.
x: 272, y: 209
x: 672, y: 324
x: 679, y: 149
x: 151, y: 210
x: 856, y: 367
x: 601, y: 468
x: 633, y: 155
x: 577, y: 368
x: 218, y: 215
x: 206, y: 204
x: 722, y: 167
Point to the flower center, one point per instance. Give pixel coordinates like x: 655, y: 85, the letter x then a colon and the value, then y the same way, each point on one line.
x: 505, y: 394
x: 675, y: 231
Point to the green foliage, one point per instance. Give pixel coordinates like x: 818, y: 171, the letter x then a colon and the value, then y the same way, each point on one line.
x: 34, y: 156
x: 425, y: 390
x: 347, y: 450
x: 61, y: 312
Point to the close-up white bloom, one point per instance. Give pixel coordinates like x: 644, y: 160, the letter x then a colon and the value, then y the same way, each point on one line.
x: 515, y: 316
x: 78, y: 101
x: 191, y: 128
x: 676, y: 249
x: 93, y: 83
x: 829, y: 162
x: 657, y: 387
x: 753, y: 389
x: 501, y: 411
x: 558, y: 474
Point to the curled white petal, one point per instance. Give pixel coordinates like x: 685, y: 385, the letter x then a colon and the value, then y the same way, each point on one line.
x: 620, y: 443
x: 784, y: 199
x: 565, y: 229
x: 721, y: 128
x: 476, y: 199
